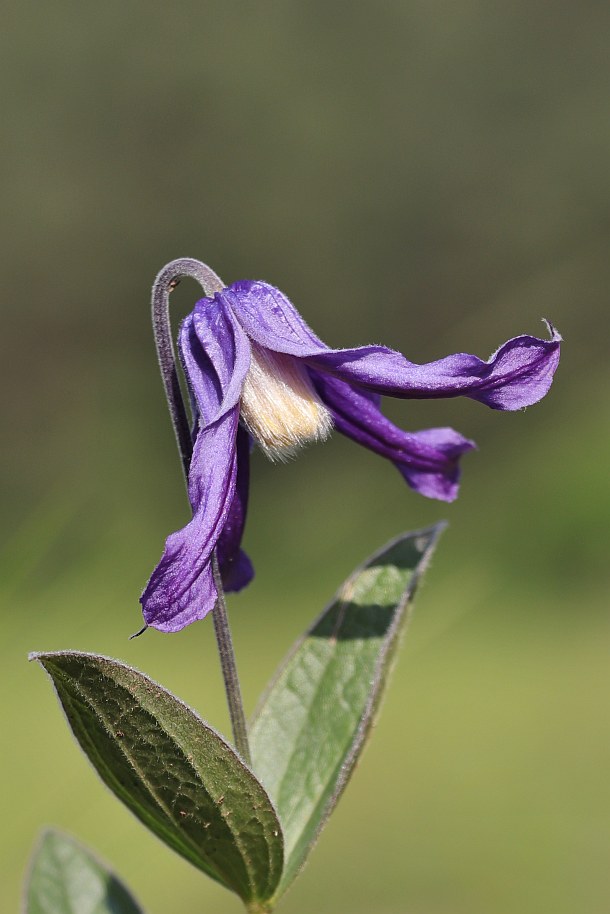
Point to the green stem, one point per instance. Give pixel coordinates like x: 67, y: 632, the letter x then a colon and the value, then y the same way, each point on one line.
x: 259, y: 907
x: 229, y: 668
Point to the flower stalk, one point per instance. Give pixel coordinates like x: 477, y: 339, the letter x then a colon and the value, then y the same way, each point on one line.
x: 165, y: 282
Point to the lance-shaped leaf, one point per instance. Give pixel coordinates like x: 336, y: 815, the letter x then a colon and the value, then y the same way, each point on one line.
x: 312, y: 723
x: 65, y: 878
x: 178, y: 776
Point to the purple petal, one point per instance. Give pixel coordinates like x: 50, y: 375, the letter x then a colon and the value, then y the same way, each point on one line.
x: 517, y: 375
x: 270, y: 319
x: 181, y: 589
x: 235, y: 566
x: 215, y: 355
x: 428, y: 460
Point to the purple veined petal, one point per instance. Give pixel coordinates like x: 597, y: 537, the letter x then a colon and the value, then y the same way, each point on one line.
x: 269, y: 318
x: 428, y: 460
x: 518, y: 374
x: 215, y: 356
x: 181, y: 589
x: 444, y: 482
x: 235, y: 566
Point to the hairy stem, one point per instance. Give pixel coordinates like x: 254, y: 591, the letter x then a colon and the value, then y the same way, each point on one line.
x: 164, y: 284
x: 229, y: 668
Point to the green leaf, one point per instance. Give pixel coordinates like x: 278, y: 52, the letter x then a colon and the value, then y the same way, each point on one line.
x: 178, y: 776
x: 312, y: 723
x: 65, y: 878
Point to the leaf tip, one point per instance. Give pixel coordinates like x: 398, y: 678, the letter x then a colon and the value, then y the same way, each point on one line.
x: 42, y: 657
x: 431, y: 534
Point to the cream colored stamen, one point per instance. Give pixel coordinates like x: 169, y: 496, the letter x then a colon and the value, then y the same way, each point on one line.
x: 279, y: 406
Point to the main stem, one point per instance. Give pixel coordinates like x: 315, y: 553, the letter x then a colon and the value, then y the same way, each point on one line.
x: 164, y: 284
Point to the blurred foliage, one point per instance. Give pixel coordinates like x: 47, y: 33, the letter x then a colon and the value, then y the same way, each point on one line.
x: 428, y: 175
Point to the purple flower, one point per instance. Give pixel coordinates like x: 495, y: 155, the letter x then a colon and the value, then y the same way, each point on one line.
x: 255, y: 371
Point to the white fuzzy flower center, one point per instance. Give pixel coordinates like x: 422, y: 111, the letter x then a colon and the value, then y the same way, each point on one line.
x: 279, y: 406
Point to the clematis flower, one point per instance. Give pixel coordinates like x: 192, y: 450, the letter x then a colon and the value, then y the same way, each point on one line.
x: 257, y: 373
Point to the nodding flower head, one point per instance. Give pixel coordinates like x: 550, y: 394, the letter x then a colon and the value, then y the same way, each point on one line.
x: 257, y: 373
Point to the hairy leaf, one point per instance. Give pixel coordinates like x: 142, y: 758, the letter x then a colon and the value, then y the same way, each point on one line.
x: 312, y: 723
x: 178, y: 776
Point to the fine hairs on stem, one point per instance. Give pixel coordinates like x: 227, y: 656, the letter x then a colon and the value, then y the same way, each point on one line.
x: 164, y: 284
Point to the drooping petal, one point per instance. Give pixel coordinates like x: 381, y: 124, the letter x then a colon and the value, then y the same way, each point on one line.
x: 235, y: 566
x: 428, y: 460
x: 215, y: 355
x: 181, y: 589
x: 518, y: 374
x: 444, y: 481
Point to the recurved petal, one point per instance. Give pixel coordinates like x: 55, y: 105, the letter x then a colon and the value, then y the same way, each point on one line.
x: 181, y: 589
x: 428, y: 460
x: 215, y: 355
x: 518, y: 374
x: 235, y: 566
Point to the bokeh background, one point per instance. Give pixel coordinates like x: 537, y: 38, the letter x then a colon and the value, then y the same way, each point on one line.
x: 431, y: 175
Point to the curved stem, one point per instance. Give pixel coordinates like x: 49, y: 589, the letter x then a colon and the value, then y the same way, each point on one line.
x: 164, y: 284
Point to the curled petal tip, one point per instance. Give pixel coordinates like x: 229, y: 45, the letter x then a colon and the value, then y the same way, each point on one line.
x: 554, y: 333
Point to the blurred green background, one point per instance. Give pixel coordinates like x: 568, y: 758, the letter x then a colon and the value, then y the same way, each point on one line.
x: 434, y: 176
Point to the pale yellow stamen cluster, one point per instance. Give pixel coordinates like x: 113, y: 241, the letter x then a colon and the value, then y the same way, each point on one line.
x: 279, y: 406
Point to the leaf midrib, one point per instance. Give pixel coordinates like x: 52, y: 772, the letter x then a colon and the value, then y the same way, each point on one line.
x: 319, y: 689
